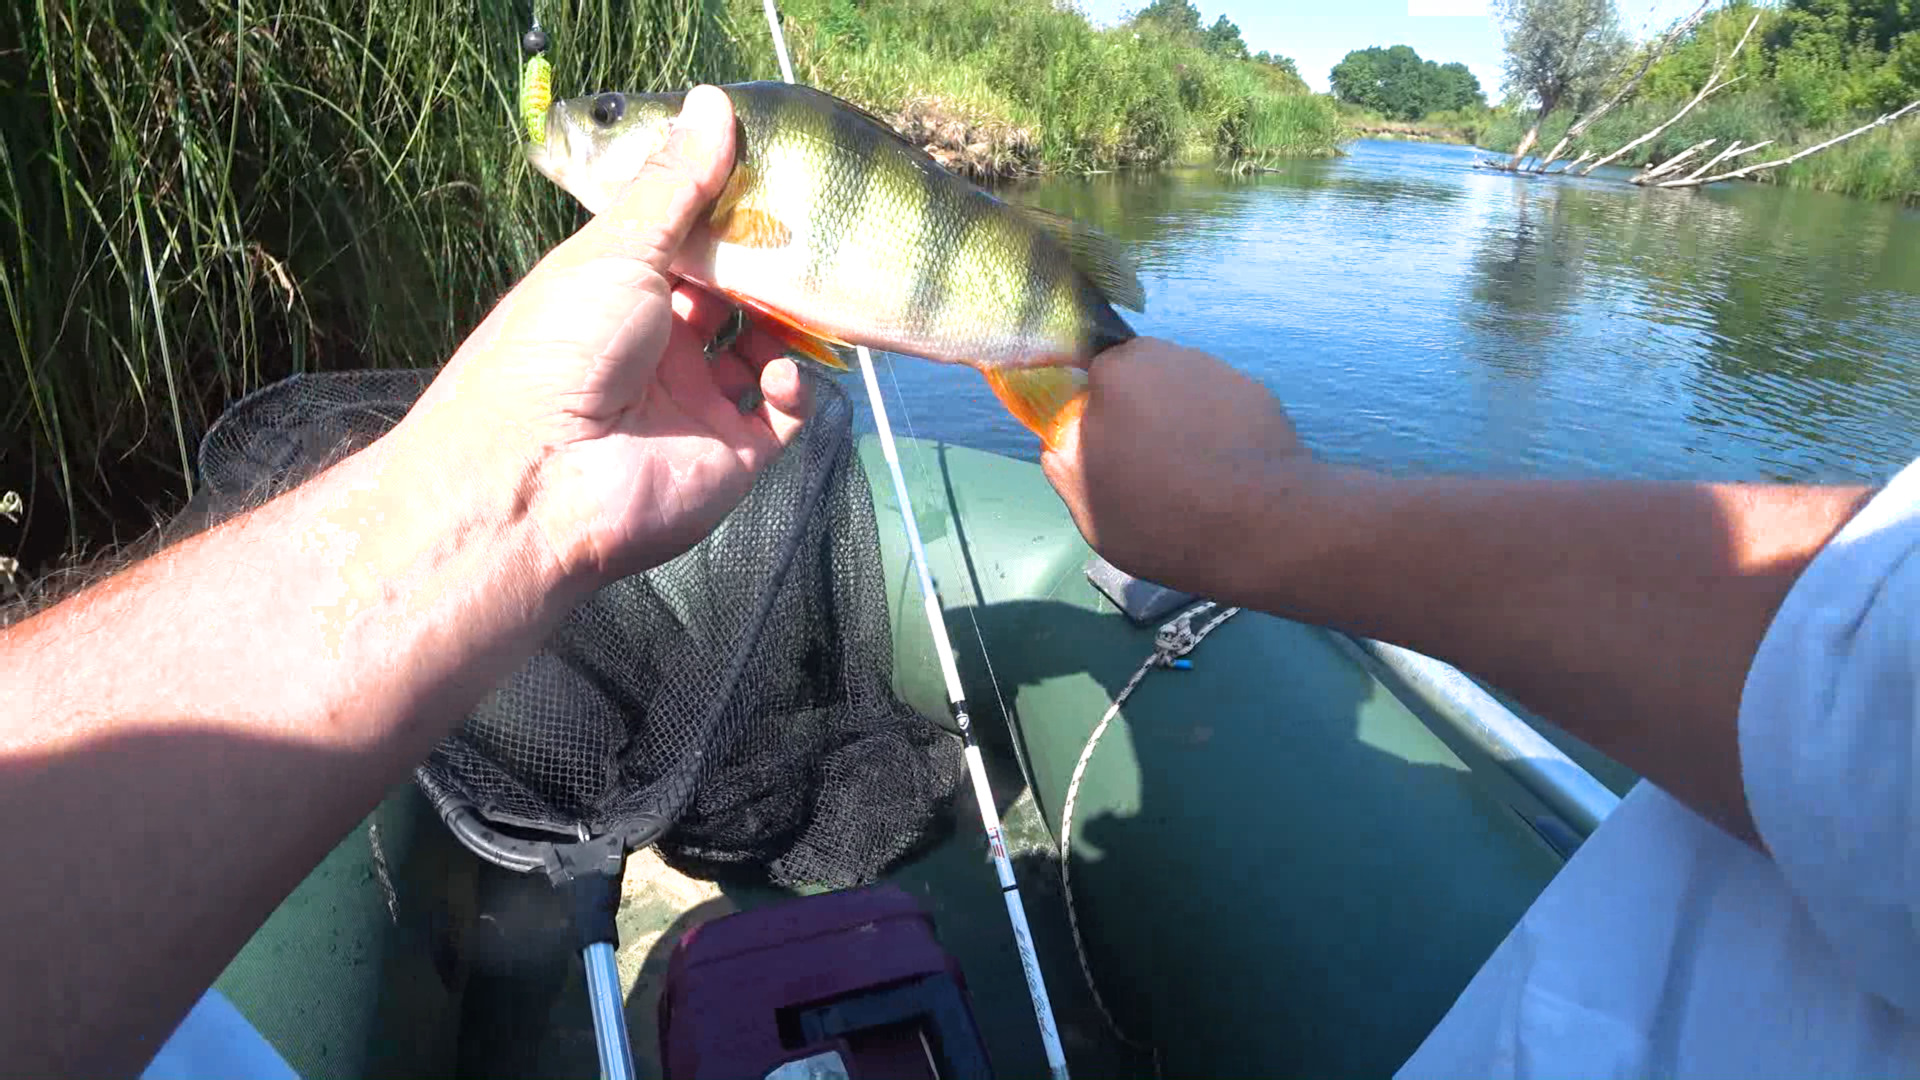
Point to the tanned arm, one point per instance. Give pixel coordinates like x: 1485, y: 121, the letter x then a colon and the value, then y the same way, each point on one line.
x: 181, y: 744
x: 1626, y: 613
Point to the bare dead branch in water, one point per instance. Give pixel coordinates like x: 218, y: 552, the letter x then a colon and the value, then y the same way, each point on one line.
x: 1697, y: 181
x: 1715, y: 83
x: 1731, y: 152
x: 1574, y: 164
x: 1671, y: 164
x: 1647, y: 60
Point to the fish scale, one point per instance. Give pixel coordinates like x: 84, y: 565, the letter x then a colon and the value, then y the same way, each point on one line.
x: 833, y: 231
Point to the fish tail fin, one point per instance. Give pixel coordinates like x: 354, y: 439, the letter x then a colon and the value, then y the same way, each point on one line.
x: 1042, y: 398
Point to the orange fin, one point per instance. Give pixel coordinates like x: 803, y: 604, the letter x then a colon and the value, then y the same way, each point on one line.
x: 1045, y: 399
x: 798, y: 336
x: 748, y: 227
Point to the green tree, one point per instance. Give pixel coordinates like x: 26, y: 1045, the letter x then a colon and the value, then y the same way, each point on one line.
x: 1281, y: 71
x: 1284, y: 63
x: 1833, y: 57
x: 1397, y: 83
x: 1558, y: 52
x: 1175, y: 16
x: 1458, y: 88
x: 1874, y: 24
x: 1223, y: 39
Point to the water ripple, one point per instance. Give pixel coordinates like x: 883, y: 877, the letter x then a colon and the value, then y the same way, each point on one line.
x: 1417, y: 314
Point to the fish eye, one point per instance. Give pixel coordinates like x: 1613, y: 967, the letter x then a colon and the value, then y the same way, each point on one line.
x: 609, y: 108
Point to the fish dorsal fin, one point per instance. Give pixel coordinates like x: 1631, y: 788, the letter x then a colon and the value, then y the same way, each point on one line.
x: 1095, y: 254
x: 840, y: 102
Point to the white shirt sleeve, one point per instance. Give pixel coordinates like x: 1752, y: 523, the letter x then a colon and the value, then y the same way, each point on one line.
x: 1828, y: 747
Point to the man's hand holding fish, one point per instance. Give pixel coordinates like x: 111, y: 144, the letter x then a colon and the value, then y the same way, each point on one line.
x: 595, y: 370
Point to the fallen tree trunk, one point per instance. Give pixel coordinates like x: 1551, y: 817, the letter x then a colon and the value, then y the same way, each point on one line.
x: 1713, y: 85
x: 1626, y: 89
x: 1696, y: 180
x: 1526, y: 141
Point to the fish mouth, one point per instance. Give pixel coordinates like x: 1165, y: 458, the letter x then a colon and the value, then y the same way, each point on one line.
x: 550, y: 155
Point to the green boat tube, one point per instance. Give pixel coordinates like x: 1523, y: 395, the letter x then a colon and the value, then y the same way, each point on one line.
x: 1283, y: 861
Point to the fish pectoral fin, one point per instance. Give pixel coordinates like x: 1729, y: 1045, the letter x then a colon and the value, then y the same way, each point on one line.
x: 1099, y: 257
x: 735, y: 219
x: 821, y: 348
x: 747, y: 226
x: 1042, y: 398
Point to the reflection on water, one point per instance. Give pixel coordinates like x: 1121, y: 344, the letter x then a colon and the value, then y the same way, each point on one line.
x: 1417, y: 314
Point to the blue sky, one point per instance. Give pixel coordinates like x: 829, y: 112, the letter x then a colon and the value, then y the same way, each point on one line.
x: 1317, y: 33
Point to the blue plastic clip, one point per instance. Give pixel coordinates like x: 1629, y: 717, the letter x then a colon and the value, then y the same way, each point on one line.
x: 1181, y: 664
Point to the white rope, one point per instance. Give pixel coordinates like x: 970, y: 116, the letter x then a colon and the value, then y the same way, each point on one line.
x: 936, y: 622
x: 1176, y: 639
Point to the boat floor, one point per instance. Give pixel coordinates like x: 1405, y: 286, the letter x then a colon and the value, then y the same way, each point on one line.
x: 525, y: 1009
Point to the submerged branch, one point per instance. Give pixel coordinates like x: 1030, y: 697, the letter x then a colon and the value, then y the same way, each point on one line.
x: 1574, y: 164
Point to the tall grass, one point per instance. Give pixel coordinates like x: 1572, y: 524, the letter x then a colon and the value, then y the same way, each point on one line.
x: 202, y: 196
x: 1089, y: 98
x: 1882, y: 165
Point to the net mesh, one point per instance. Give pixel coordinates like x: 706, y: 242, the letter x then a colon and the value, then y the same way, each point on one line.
x: 741, y: 692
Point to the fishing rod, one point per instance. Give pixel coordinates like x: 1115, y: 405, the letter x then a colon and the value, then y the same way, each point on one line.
x: 535, y: 94
x: 956, y: 694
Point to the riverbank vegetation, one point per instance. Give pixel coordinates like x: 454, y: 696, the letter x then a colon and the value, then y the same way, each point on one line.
x: 1464, y: 127
x: 1812, y: 70
x: 1036, y: 87
x: 201, y: 198
x: 204, y: 198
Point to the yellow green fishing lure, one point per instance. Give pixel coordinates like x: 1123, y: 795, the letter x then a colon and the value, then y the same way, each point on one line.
x: 536, y: 85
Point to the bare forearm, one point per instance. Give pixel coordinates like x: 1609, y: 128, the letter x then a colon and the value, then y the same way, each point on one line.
x: 1626, y: 613
x: 206, y: 725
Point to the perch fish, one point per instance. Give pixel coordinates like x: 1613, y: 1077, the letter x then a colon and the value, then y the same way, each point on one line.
x: 832, y: 231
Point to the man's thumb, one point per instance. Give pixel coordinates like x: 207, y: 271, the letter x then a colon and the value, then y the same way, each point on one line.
x: 653, y: 215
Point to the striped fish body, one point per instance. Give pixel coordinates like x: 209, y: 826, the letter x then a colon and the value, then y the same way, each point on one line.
x: 833, y: 231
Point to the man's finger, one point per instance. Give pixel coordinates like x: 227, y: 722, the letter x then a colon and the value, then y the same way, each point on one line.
x: 789, y: 401
x: 652, y: 217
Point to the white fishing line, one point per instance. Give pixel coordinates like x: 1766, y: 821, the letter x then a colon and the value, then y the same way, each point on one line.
x: 956, y: 696
x: 955, y: 564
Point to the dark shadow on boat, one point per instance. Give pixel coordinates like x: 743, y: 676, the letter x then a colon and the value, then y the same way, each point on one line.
x: 1278, y: 868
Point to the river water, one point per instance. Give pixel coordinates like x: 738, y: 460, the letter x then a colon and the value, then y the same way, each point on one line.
x: 1416, y: 314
